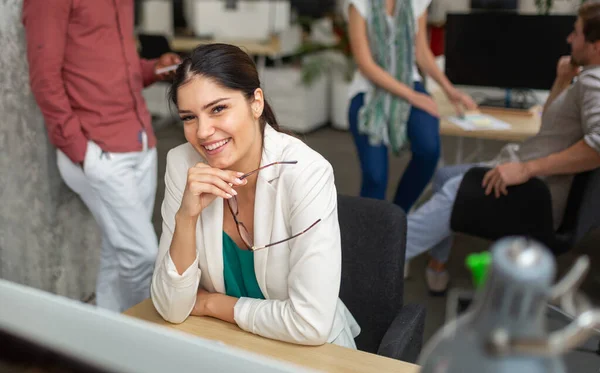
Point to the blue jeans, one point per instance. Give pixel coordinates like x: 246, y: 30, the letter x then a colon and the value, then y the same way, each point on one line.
x: 423, y: 133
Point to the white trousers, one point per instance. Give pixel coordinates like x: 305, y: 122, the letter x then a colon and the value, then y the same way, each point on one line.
x: 119, y: 189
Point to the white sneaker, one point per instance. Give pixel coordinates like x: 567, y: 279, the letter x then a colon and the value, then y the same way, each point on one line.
x: 437, y: 282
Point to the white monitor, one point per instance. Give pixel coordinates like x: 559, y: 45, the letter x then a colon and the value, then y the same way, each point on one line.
x: 46, y: 331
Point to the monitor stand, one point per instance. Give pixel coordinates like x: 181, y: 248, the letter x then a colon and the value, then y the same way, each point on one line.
x: 506, y: 103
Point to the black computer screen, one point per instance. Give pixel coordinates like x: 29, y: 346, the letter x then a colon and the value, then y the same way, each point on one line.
x: 506, y: 50
x: 494, y: 4
x: 20, y: 355
x: 313, y: 8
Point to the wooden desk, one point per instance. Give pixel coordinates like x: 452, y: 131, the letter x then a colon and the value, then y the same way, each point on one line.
x: 522, y: 126
x: 269, y: 48
x: 260, y: 49
x: 327, y: 358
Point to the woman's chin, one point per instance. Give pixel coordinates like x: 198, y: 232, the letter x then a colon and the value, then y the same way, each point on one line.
x: 220, y: 161
x: 220, y: 165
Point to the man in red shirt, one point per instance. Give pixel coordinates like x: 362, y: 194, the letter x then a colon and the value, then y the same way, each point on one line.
x: 87, y: 79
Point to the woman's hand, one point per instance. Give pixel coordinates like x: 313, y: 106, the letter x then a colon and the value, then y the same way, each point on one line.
x: 204, y: 184
x: 425, y: 103
x: 460, y: 100
x: 217, y: 305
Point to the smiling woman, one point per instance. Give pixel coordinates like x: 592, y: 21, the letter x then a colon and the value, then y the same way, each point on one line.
x: 250, y: 226
x: 220, y: 88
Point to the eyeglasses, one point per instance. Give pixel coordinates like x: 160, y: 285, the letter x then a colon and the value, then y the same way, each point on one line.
x: 242, y: 230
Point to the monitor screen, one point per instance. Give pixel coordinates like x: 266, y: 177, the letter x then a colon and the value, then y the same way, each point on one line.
x: 494, y: 4
x: 46, y: 333
x: 22, y: 355
x: 313, y: 8
x: 506, y: 50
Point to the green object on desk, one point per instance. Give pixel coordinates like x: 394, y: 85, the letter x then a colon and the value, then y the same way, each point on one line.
x: 479, y: 264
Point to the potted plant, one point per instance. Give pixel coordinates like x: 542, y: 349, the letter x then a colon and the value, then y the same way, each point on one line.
x: 311, y: 88
x: 547, y: 7
x: 298, y: 88
x: 334, y: 60
x: 543, y: 6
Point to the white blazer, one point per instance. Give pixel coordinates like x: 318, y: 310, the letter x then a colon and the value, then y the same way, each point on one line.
x: 300, y: 278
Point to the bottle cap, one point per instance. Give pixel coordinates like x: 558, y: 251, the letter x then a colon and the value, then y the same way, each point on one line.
x: 478, y: 264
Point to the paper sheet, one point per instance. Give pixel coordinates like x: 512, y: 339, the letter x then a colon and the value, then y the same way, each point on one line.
x: 475, y: 122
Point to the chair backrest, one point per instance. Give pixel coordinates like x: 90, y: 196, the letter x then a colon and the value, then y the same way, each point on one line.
x: 583, y: 207
x: 373, y: 237
x: 525, y: 211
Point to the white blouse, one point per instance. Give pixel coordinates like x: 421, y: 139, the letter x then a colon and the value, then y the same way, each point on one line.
x: 360, y: 84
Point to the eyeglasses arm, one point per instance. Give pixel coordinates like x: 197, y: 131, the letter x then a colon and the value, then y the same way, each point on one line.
x: 265, y: 166
x: 254, y: 248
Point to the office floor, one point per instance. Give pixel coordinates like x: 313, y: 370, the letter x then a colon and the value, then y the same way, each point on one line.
x: 338, y: 148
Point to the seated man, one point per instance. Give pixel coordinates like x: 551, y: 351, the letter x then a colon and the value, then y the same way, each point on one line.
x: 568, y: 143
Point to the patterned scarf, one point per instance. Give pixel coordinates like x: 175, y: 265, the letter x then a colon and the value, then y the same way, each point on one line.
x: 383, y: 117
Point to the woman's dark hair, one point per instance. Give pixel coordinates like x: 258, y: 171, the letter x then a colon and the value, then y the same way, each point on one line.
x: 227, y: 65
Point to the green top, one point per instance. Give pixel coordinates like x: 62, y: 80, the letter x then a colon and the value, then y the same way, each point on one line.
x: 238, y: 271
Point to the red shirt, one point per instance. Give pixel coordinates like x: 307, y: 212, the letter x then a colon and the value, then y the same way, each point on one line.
x: 86, y: 74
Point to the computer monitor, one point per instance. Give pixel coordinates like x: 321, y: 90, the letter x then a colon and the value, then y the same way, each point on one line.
x: 313, y: 8
x: 494, y: 4
x: 43, y: 332
x: 505, y: 50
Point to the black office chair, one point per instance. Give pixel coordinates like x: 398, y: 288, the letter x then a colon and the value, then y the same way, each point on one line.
x: 373, y: 237
x: 527, y: 210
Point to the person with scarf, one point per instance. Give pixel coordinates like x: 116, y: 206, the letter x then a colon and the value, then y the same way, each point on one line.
x: 389, y: 106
